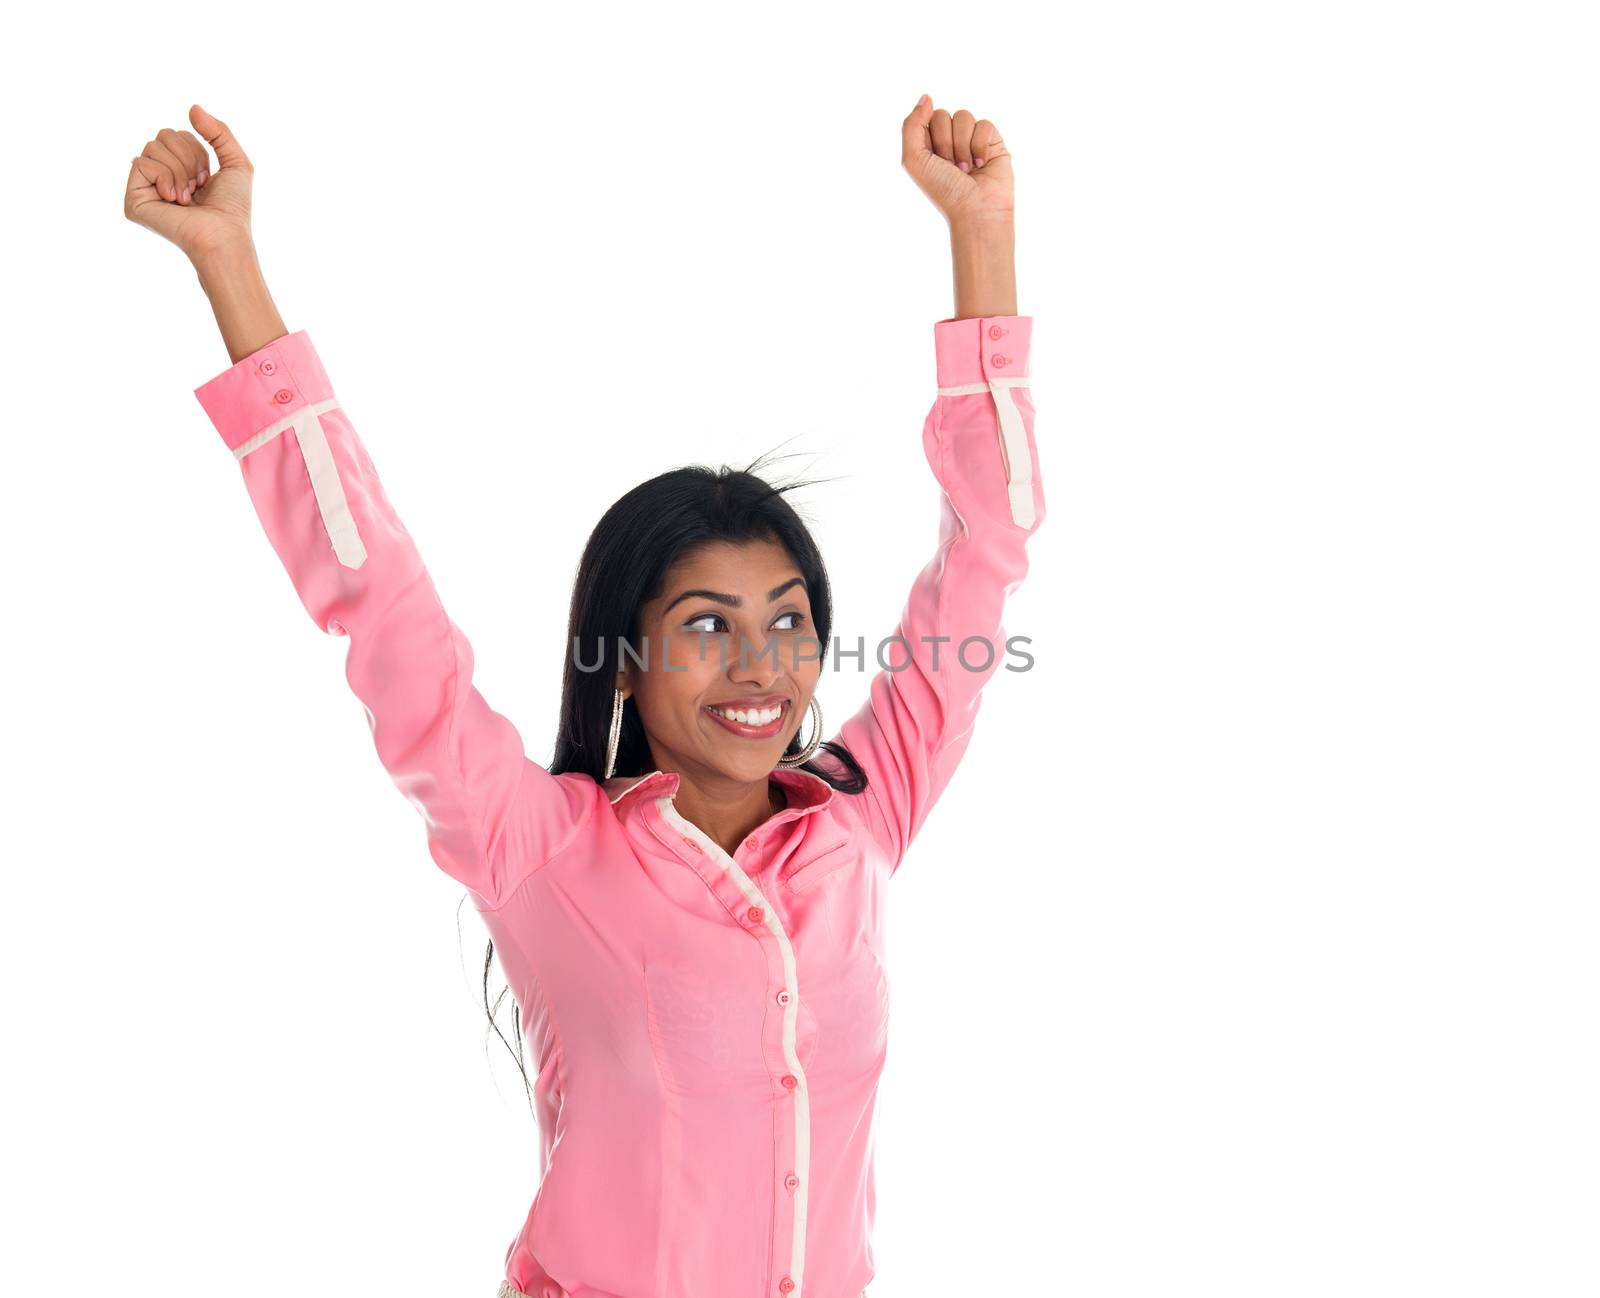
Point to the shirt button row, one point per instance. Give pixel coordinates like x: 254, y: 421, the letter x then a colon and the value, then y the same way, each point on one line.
x: 791, y: 1180
x: 693, y: 846
x: 784, y: 997
x: 283, y: 396
x: 269, y: 367
x: 998, y: 331
x: 790, y: 1081
x: 997, y: 360
x: 755, y: 914
x: 785, y: 1285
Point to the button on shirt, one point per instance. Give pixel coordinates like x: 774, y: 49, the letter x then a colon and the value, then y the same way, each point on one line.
x: 707, y: 1028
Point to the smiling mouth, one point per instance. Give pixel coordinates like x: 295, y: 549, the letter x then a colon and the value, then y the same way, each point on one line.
x: 744, y: 731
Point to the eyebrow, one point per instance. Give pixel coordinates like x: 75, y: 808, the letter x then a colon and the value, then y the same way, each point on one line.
x: 733, y: 601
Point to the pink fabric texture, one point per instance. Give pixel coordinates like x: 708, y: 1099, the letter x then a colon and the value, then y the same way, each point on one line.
x: 706, y: 1031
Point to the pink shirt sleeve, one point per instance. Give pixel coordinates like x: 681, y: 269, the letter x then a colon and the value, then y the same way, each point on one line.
x: 492, y: 815
x: 911, y: 732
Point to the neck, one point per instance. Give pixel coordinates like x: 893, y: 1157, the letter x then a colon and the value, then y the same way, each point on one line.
x: 726, y: 811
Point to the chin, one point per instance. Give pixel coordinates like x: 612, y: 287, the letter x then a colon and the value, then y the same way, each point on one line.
x: 748, y: 767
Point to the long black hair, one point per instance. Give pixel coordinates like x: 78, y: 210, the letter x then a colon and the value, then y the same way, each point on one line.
x: 624, y: 566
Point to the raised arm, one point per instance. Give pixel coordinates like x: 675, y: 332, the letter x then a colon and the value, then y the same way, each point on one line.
x: 491, y: 814
x: 978, y: 439
x: 949, y: 642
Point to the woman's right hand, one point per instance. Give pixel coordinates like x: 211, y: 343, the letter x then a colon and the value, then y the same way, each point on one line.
x: 173, y: 190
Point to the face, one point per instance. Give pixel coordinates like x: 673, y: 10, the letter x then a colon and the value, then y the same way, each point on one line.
x: 718, y: 601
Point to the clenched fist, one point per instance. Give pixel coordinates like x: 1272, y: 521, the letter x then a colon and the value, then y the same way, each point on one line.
x: 959, y: 162
x: 173, y: 190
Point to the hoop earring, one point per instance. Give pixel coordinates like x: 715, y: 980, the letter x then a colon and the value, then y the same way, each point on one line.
x: 616, y: 733
x: 806, y: 753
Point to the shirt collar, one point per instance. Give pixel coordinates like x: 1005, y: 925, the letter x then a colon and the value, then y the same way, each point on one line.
x: 805, y: 790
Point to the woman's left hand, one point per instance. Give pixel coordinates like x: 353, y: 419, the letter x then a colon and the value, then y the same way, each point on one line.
x: 958, y: 161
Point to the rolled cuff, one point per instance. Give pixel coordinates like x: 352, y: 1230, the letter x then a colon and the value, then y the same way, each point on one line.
x: 980, y: 348
x: 265, y: 388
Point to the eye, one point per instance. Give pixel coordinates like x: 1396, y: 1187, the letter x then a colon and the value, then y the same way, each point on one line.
x: 693, y: 623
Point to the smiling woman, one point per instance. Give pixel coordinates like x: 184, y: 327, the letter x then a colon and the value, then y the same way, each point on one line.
x: 709, y: 602
x: 688, y: 901
x: 754, y: 715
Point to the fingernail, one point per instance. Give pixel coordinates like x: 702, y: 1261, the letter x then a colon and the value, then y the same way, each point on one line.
x: 204, y: 176
x: 977, y: 162
x: 965, y: 166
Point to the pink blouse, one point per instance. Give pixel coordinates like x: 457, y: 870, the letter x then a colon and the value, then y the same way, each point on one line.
x: 707, y: 1030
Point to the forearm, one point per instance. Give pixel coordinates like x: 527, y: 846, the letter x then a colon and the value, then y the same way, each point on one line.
x: 983, y: 260
x: 244, y: 309
x: 983, y: 255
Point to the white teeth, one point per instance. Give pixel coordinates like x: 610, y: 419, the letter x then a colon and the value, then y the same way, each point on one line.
x: 756, y: 717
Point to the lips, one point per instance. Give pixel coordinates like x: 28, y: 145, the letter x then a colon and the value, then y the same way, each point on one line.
x: 751, y: 732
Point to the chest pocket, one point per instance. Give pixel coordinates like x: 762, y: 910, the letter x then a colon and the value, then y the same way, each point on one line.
x: 826, y: 854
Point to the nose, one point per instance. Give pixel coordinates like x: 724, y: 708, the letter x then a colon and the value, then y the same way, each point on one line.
x: 757, y: 665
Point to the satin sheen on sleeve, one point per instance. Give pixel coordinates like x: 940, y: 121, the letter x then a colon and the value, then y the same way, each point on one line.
x: 978, y: 439
x: 492, y: 815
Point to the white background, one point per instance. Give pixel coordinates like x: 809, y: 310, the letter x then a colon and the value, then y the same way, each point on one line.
x: 1252, y: 952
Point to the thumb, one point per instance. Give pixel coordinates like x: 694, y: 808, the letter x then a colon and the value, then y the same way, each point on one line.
x: 219, y: 137
x: 914, y: 137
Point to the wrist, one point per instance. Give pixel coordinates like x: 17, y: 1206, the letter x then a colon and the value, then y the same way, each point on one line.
x: 989, y: 227
x: 225, y: 262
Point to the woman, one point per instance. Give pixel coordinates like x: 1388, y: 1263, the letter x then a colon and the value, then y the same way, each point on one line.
x: 688, y: 901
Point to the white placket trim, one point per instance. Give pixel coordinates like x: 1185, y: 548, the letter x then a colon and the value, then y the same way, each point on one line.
x: 1013, y: 442
x: 337, y: 519
x: 802, y: 1103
